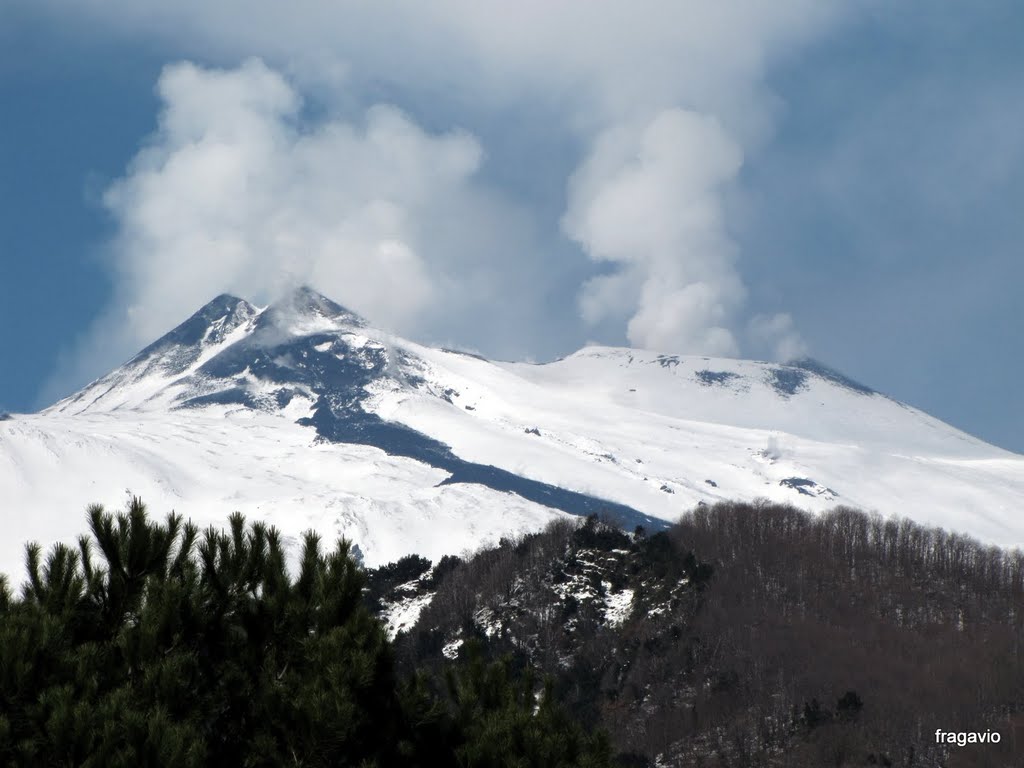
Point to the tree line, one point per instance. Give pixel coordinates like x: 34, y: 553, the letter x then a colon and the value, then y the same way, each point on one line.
x: 758, y: 635
x: 152, y: 643
x: 746, y: 635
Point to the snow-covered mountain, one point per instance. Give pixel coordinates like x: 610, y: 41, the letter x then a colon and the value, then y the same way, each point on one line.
x: 303, y: 415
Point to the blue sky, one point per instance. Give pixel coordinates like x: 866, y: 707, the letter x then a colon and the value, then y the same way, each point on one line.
x: 758, y: 179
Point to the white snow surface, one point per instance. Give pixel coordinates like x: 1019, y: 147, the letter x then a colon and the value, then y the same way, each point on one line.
x: 618, y: 606
x: 622, y: 425
x: 402, y: 615
x: 205, y: 465
x: 657, y: 433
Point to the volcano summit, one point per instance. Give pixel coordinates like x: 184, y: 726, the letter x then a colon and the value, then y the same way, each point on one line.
x: 303, y: 415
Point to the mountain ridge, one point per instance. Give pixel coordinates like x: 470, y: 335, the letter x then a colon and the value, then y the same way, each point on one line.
x: 316, y: 409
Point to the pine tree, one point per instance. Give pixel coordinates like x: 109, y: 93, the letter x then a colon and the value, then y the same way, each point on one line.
x: 152, y: 644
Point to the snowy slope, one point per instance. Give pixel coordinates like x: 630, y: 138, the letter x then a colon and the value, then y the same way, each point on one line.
x: 303, y: 415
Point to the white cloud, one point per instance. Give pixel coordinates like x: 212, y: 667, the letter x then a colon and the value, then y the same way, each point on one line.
x: 776, y: 337
x: 234, y: 194
x: 648, y: 197
x: 612, y: 56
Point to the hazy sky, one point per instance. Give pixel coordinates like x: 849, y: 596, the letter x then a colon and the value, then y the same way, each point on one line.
x: 844, y: 180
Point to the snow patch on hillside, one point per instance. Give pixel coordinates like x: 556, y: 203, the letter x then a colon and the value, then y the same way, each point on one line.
x: 618, y: 606
x: 402, y: 615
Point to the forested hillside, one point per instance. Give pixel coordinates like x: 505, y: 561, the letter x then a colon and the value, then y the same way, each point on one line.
x: 745, y: 635
x: 751, y: 635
